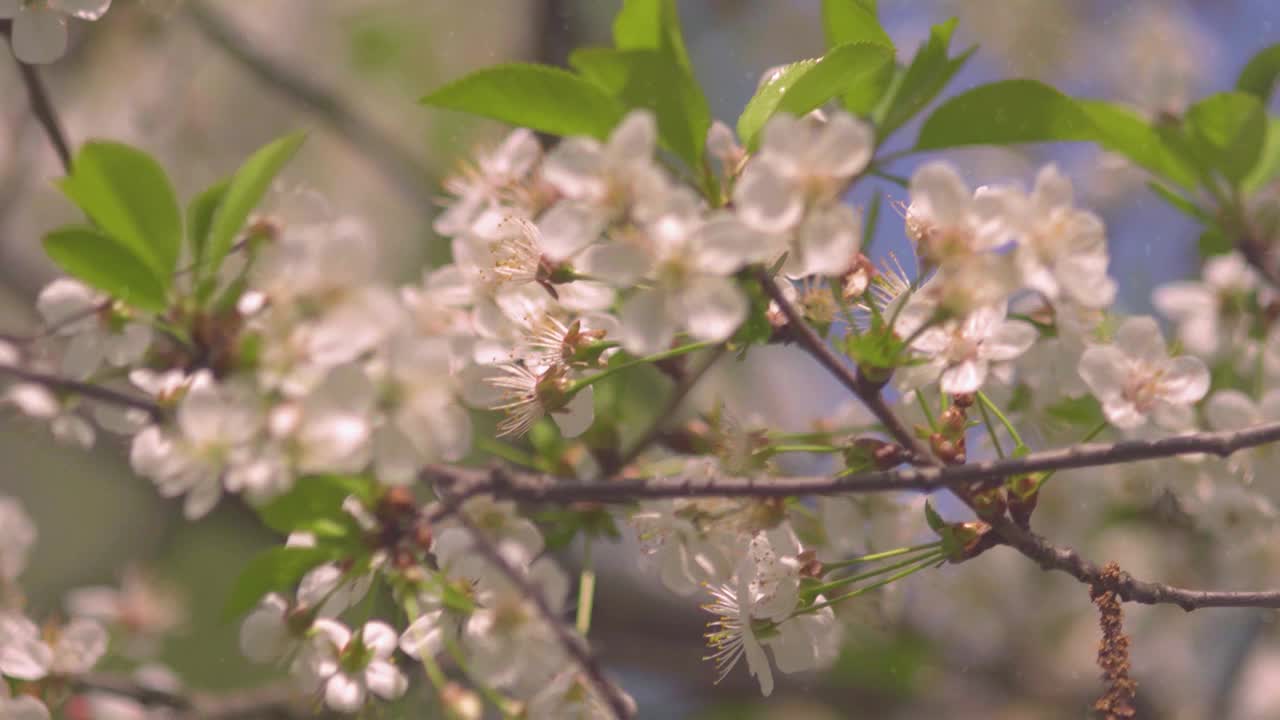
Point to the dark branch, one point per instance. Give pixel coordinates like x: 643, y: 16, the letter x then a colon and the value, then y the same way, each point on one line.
x: 274, y: 702
x: 85, y: 389
x: 41, y: 107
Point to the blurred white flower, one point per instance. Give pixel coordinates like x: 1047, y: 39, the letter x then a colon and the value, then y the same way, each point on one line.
x: 72, y: 310
x: 347, y: 666
x: 23, y: 653
x: 1201, y: 307
x: 39, y: 32
x: 1135, y: 379
x: 488, y: 190
x: 17, y: 535
x: 23, y: 707
x: 946, y: 220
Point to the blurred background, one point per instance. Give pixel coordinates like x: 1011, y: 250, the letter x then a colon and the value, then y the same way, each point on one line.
x: 200, y: 84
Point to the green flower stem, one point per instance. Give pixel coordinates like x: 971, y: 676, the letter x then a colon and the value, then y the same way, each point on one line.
x: 873, y: 586
x: 577, y: 385
x: 991, y: 430
x: 882, y: 555
x: 434, y: 673
x: 586, y: 591
x: 930, y: 557
x: 928, y: 414
x: 1004, y: 420
x: 1088, y: 436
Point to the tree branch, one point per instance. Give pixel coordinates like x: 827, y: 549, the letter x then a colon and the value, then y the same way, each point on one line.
x: 395, y: 160
x: 276, y: 702
x: 573, y: 646
x: 41, y: 107
x: 89, y: 390
x: 865, y: 390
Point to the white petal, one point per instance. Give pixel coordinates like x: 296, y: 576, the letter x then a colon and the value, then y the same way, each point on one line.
x: 1185, y: 381
x: 1140, y: 338
x: 766, y: 200
x: 24, y: 707
x: 380, y: 638
x: 966, y: 377
x: 843, y: 147
x: 712, y: 308
x: 39, y: 36
x: 758, y: 664
x: 1011, y: 339
x: 938, y: 187
x: 617, y: 263
x: 344, y: 693
x: 1052, y: 189
x: 825, y: 242
x: 724, y: 244
x: 1105, y: 369
x: 646, y: 323
x: 568, y: 227
x: 574, y: 168
x: 385, y: 680
x: 633, y: 140
x: 574, y: 419
x: 1231, y: 410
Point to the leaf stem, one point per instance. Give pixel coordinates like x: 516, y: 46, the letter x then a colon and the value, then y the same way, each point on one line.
x: 578, y: 385
x: 1004, y: 420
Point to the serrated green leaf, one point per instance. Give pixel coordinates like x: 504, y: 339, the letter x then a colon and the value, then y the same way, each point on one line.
x: 314, y: 504
x: 651, y: 25
x: 129, y: 196
x: 650, y: 79
x: 200, y: 212
x: 804, y: 86
x: 1228, y: 130
x: 1005, y: 112
x: 1258, y: 78
x: 244, y: 191
x: 274, y: 570
x: 927, y: 75
x: 102, y: 262
x: 1122, y: 130
x: 534, y: 96
x: 849, y: 21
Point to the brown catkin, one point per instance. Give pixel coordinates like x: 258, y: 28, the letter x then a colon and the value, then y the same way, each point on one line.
x: 1117, y: 703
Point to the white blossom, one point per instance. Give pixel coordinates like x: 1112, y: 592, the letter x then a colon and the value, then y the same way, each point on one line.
x: 17, y: 535
x: 960, y: 351
x: 72, y: 310
x: 1200, y: 307
x: 1135, y: 379
x: 346, y: 667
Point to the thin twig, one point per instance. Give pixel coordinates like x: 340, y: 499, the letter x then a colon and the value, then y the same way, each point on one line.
x: 278, y: 702
x: 41, y: 107
x: 89, y: 390
x: 866, y: 391
x: 575, y: 647
x: 392, y: 157
x: 532, y: 487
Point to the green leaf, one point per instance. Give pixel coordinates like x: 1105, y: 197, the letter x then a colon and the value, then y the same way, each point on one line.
x: 652, y: 80
x: 1213, y: 242
x: 129, y: 197
x: 534, y: 96
x: 928, y: 74
x: 275, y: 570
x: 244, y: 191
x: 102, y: 262
x: 1005, y: 112
x: 850, y: 21
x: 1258, y: 78
x: 1268, y: 166
x: 1178, y: 202
x: 314, y: 504
x: 1122, y: 130
x: 804, y: 86
x: 1083, y: 411
x: 1228, y: 130
x: 651, y: 25
x: 200, y: 214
